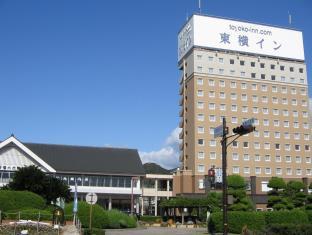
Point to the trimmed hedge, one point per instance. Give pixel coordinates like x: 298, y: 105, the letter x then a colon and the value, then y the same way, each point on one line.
x: 18, y: 200
x: 289, y: 229
x: 151, y: 219
x: 118, y: 219
x: 286, y: 217
x: 237, y: 220
x: 99, y: 217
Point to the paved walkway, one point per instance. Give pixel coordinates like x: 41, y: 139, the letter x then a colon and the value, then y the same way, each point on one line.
x: 70, y: 230
x: 157, y: 231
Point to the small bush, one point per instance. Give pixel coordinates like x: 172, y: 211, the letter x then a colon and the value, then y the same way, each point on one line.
x: 237, y: 220
x: 309, y: 214
x: 150, y: 219
x: 286, y: 217
x: 117, y: 219
x: 289, y: 229
x: 18, y: 200
x: 99, y: 217
x: 95, y: 231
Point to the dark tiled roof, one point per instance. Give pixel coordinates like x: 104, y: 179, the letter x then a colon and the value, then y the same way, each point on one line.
x: 153, y: 168
x: 97, y: 160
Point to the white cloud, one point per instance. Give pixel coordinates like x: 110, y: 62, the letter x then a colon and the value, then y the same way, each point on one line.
x: 168, y: 155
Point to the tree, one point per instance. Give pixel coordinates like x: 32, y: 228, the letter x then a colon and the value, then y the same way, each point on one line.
x: 277, y: 184
x: 237, y: 188
x: 32, y: 179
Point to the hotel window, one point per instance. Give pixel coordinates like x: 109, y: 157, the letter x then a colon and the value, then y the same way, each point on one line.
x: 210, y: 58
x: 293, y: 91
x: 284, y: 90
x: 244, y: 109
x: 200, y: 117
x: 298, y: 171
x: 266, y: 122
x: 243, y: 74
x: 233, y: 96
x: 222, y: 107
x: 200, y: 130
x: 213, y: 155
x: 288, y: 171
x: 304, y: 103
x: 246, y: 170
x: 212, y: 143
x: 277, y: 135
x: 221, y: 118
x: 233, y: 84
x: 274, y: 89
x: 234, y: 119
x: 201, y: 168
x: 266, y: 145
x: 307, y: 147
x: 255, y: 98
x: 235, y: 156
x: 220, y: 60
x: 231, y: 61
x: 288, y: 159
x: 272, y: 77
x: 285, y: 113
x: 256, y: 123
x: 253, y: 75
x: 264, y: 87
x: 303, y: 92
x: 246, y: 157
x: 200, y: 81
x: 298, y: 159
x: 275, y: 100
x: 264, y: 99
x: 292, y: 79
x: 278, y: 171
x: 296, y: 124
x: 255, y: 109
x: 276, y: 122
x: 200, y: 93
x: 295, y: 114
x: 201, y: 184
x: 300, y: 70
x: 210, y: 70
x: 235, y: 170
x: 232, y: 72
x: 262, y: 65
x: 211, y: 130
x: 222, y: 95
x: 308, y: 159
x: 257, y: 145
x: 244, y: 97
x: 267, y: 171
x: 306, y: 137
x: 257, y: 158
x: 200, y: 105
x: 200, y: 155
x: 212, y: 106
x: 286, y: 123
x: 291, y: 69
x: 267, y: 158
x: 199, y: 57
x: 304, y: 114
x: 306, y: 125
x: 272, y: 66
x: 282, y: 67
x: 201, y: 142
x: 294, y: 102
x: 211, y: 82
x: 297, y: 147
x: 245, y: 144
x: 286, y: 135
x: 284, y: 101
x: 242, y: 62
x: 258, y: 170
x: 254, y: 87
x: 277, y: 146
x: 308, y: 171
x: 283, y: 78
x: 262, y: 76
x: 265, y: 111
x: 199, y: 68
x: 297, y: 136
x: 235, y: 144
x: 287, y: 147
x: 211, y: 94
x: 222, y: 83
x: 278, y: 158
x: 212, y: 118
x: 256, y: 133
x: 221, y: 71
x: 266, y: 134
x: 234, y: 107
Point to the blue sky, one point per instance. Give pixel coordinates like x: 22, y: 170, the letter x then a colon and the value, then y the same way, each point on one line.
x: 105, y: 72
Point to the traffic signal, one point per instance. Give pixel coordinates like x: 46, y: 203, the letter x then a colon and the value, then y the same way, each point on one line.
x: 242, y: 130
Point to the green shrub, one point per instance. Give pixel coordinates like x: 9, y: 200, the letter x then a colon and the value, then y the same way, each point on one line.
x: 289, y: 229
x: 29, y: 214
x: 150, y: 218
x: 286, y: 217
x: 118, y: 219
x: 309, y: 214
x: 95, y: 231
x: 18, y: 200
x: 237, y: 220
x: 99, y: 217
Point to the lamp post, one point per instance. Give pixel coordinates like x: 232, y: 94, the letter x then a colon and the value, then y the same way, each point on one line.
x: 133, y: 180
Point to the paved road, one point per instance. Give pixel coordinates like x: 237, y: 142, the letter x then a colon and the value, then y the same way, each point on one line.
x: 157, y: 231
x: 70, y: 230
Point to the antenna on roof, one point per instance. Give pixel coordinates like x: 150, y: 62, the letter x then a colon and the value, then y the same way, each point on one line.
x: 187, y: 16
x: 199, y: 6
x: 289, y: 18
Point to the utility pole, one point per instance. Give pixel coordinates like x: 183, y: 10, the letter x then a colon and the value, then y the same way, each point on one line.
x: 224, y: 180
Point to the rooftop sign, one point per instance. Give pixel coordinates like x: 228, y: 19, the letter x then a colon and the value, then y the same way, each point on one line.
x: 218, y: 33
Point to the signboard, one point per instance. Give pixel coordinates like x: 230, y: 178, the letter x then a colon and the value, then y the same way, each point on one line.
x: 218, y: 131
x: 248, y: 122
x: 225, y: 34
x: 91, y: 198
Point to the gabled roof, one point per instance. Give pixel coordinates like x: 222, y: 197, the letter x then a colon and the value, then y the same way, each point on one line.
x: 93, y: 160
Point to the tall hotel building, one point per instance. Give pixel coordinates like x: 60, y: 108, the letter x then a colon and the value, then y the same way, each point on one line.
x: 241, y: 70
